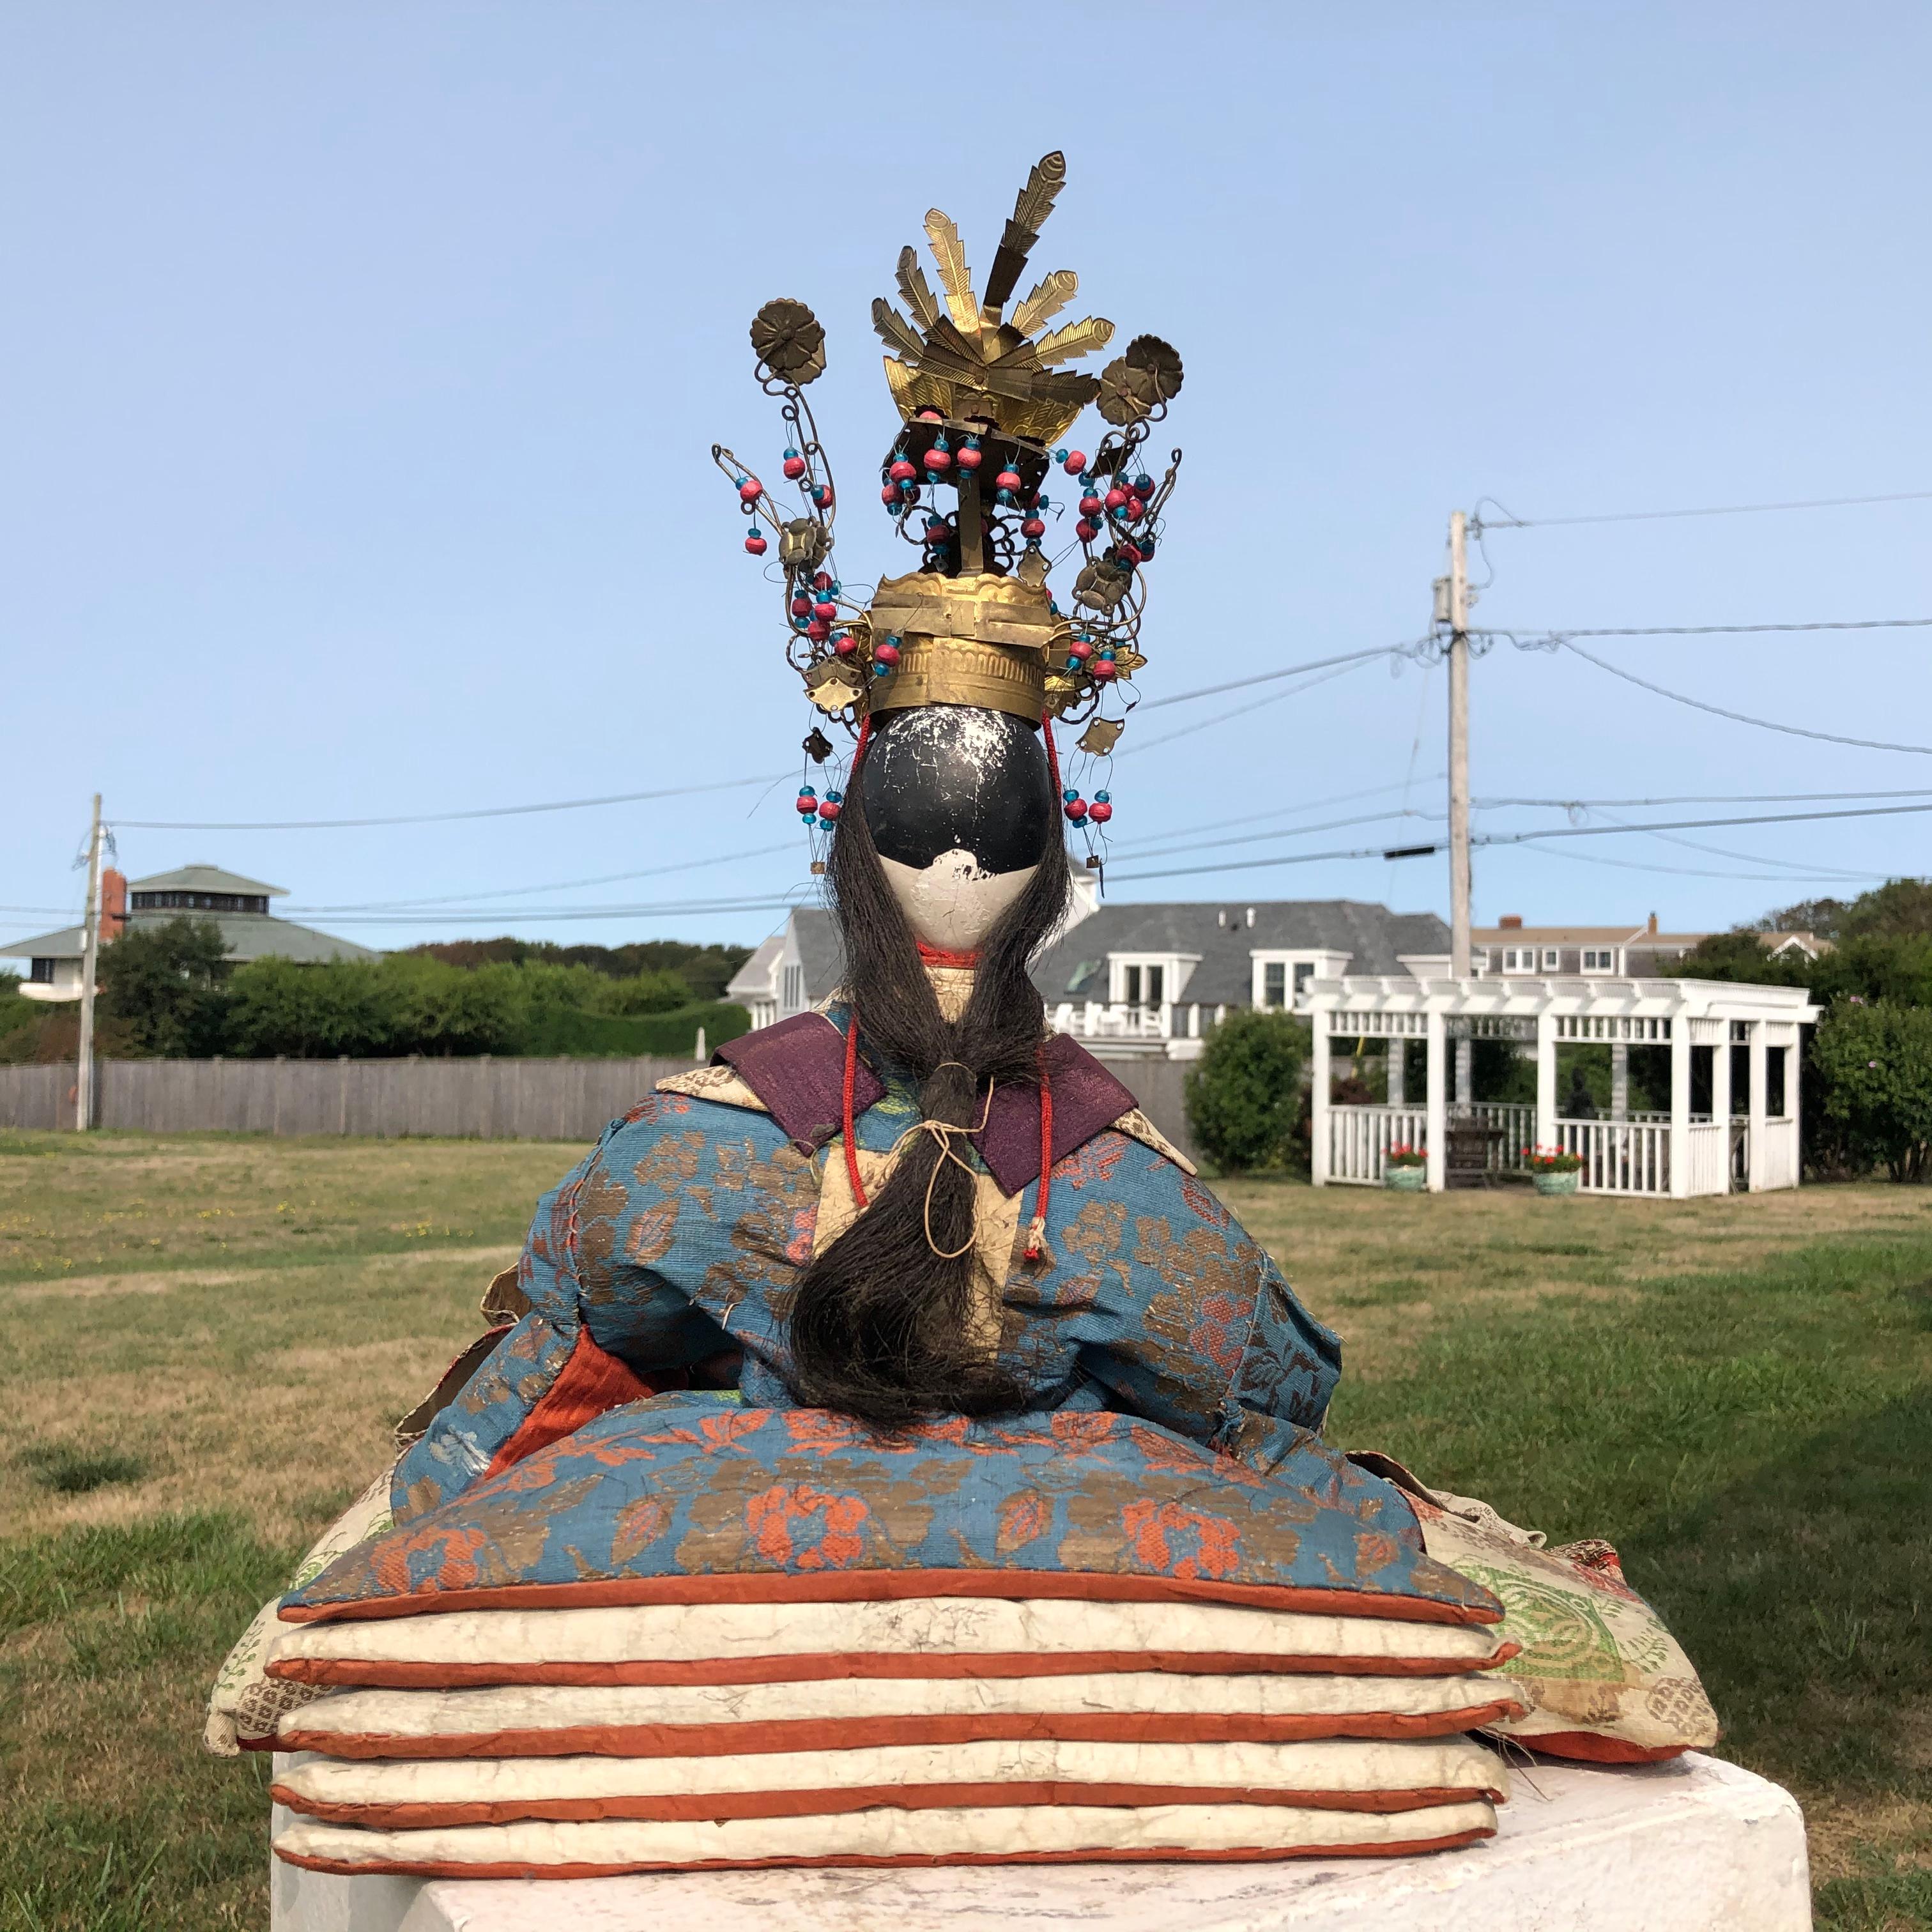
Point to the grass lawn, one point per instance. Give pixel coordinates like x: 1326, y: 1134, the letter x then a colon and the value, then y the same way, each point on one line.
x: 209, y: 1338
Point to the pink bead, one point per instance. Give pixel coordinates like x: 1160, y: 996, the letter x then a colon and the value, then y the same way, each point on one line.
x: 750, y: 490
x: 1116, y: 496
x: 1100, y: 812
x: 827, y: 812
x: 886, y: 654
x: 794, y: 468
x: 971, y: 459
x: 889, y: 494
x: 902, y: 471
x: 846, y: 645
x: 1076, y: 461
x: 825, y: 607
x: 1077, y: 811
x: 1103, y: 668
x: 818, y: 630
x: 937, y: 460
x: 1085, y: 531
x: 755, y: 545
x: 1034, y: 526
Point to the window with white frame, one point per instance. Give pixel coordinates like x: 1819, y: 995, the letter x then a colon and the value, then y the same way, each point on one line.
x: 1599, y: 959
x: 1274, y: 982
x: 1143, y: 985
x: 1553, y: 959
x: 794, y: 986
x: 1304, y: 971
x: 1519, y: 959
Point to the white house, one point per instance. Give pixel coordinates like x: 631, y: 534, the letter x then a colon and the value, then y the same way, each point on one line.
x: 238, y: 907
x: 1153, y: 979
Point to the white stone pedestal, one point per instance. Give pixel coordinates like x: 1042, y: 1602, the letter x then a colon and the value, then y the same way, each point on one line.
x: 1696, y: 1846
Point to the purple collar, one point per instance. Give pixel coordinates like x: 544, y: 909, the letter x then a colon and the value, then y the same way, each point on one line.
x: 797, y: 1069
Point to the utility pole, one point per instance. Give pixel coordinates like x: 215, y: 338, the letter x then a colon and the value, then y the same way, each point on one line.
x: 1459, y: 746
x: 83, y: 1084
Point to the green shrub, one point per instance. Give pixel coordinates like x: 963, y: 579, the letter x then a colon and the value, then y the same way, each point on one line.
x: 1244, y: 1093
x: 167, y: 987
x: 571, y: 1032
x: 1874, y: 1059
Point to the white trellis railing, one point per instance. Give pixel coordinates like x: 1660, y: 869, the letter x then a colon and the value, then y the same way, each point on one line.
x: 1516, y: 1120
x: 1618, y: 1157
x: 1359, y: 1138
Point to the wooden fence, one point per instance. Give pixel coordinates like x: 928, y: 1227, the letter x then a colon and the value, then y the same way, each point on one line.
x: 482, y: 1099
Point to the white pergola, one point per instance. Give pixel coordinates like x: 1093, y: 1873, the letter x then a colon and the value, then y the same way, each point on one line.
x: 1740, y: 1141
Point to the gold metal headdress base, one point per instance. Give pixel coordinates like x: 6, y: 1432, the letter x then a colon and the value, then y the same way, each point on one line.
x: 981, y: 640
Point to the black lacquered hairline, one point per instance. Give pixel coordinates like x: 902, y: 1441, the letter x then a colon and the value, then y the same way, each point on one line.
x: 948, y: 778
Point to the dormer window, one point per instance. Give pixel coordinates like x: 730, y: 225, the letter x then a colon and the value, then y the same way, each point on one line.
x: 179, y: 901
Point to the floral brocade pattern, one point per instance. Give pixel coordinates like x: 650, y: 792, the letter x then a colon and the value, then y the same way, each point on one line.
x: 678, y: 1242
x: 694, y: 1485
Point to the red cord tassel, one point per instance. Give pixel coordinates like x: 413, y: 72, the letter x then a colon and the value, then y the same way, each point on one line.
x: 851, y: 1010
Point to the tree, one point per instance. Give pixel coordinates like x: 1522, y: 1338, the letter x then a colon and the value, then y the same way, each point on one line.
x: 1244, y: 1092
x: 1899, y: 909
x: 166, y: 988
x: 1823, y: 917
x: 1875, y: 1060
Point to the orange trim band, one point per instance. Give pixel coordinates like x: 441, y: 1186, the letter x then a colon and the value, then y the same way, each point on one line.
x: 393, y: 1674
x: 878, y: 1586
x: 702, y: 1808
x: 1160, y: 1855
x: 797, y: 1734
x: 1589, y: 1748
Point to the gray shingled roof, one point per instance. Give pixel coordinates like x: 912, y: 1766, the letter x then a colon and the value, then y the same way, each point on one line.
x: 250, y: 936
x: 1373, y: 937
x: 819, y: 952
x: 206, y: 879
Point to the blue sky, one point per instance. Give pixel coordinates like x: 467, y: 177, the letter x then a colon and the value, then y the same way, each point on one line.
x: 362, y: 363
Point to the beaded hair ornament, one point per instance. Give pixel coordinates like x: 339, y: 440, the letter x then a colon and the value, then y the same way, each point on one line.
x: 983, y: 404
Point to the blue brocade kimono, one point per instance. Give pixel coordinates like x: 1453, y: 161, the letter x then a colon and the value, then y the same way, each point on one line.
x: 667, y: 1256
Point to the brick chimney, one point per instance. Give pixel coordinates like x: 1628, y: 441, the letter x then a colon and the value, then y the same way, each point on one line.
x: 1511, y: 921
x: 113, y: 905
x: 1653, y: 922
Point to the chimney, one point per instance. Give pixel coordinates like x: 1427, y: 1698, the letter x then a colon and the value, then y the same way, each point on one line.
x: 1511, y: 921
x: 1221, y: 917
x: 113, y: 905
x: 1251, y: 915
x: 1653, y: 922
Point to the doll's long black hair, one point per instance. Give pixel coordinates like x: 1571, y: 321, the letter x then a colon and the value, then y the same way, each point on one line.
x: 883, y: 1323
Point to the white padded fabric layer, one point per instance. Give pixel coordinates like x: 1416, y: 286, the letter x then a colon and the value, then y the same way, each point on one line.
x: 1338, y: 1765
x: 990, y: 1832
x: 980, y: 1626
x: 525, y: 1707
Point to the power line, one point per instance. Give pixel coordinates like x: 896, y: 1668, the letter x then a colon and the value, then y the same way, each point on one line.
x: 1293, y: 832
x: 1524, y: 642
x: 434, y: 817
x: 771, y: 902
x: 555, y: 886
x: 1528, y: 837
x: 1246, y: 710
x: 1740, y: 717
x: 1269, y: 676
x: 1507, y: 522
x: 1700, y: 798
x: 1711, y: 872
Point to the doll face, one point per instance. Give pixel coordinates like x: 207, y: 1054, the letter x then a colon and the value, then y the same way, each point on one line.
x: 960, y: 804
